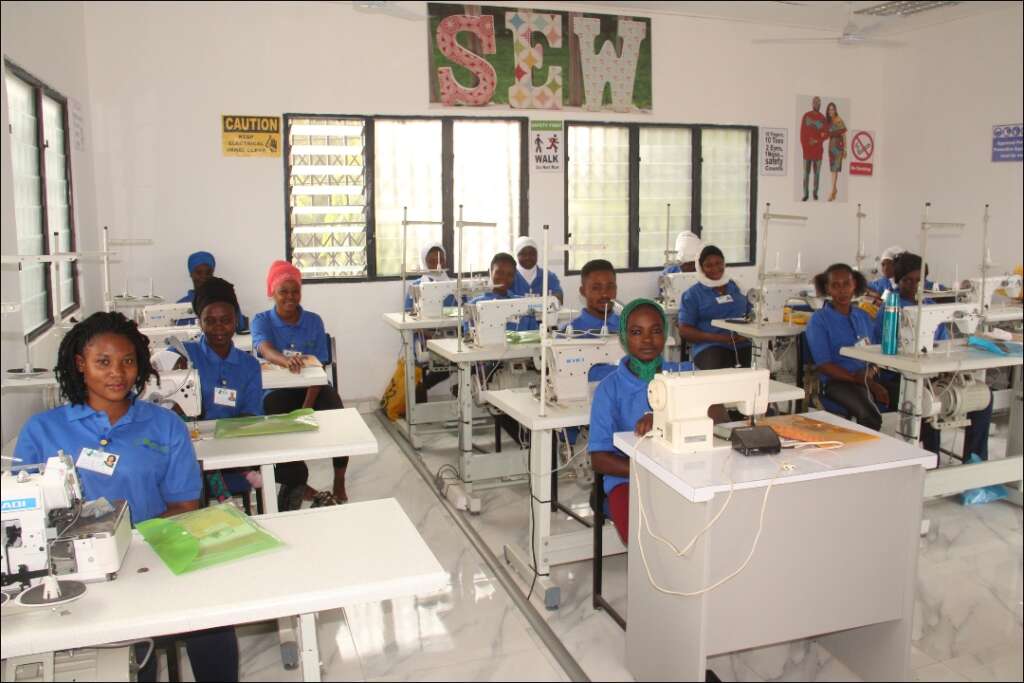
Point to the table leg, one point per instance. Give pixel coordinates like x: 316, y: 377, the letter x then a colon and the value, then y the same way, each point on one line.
x: 269, y: 489
x: 285, y: 626
x: 911, y: 399
x: 409, y: 351
x: 309, y: 648
x: 1015, y: 439
x: 465, y: 415
x: 759, y: 359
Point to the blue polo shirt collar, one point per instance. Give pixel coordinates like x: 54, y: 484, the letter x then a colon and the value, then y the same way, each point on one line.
x: 82, y: 411
x: 234, y: 356
x: 276, y: 319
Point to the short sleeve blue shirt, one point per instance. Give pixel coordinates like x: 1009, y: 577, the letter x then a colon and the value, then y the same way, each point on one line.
x: 239, y: 371
x: 523, y: 288
x: 829, y: 330
x: 701, y: 304
x: 881, y: 284
x: 156, y: 462
x: 307, y: 336
x: 619, y: 402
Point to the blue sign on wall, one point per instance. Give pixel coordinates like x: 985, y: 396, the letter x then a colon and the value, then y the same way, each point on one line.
x: 1008, y: 142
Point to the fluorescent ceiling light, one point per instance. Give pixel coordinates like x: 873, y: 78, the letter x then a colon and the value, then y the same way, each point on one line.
x: 904, y: 8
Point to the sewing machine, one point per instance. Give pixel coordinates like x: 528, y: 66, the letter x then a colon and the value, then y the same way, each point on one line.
x: 49, y: 531
x: 771, y: 297
x: 569, y: 362
x: 966, y: 317
x: 672, y: 286
x: 428, y: 297
x: 680, y: 401
x: 1007, y: 285
x: 488, y: 318
x: 162, y: 315
x: 176, y: 387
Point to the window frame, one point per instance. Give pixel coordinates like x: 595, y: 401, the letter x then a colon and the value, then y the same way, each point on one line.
x: 448, y: 208
x: 39, y: 90
x: 696, y: 226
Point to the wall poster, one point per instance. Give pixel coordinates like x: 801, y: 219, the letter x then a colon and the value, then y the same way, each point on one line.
x: 823, y: 124
x: 250, y: 136
x: 773, y: 152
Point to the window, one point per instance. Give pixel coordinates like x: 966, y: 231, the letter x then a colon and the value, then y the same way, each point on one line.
x: 42, y: 196
x: 631, y: 189
x: 352, y: 180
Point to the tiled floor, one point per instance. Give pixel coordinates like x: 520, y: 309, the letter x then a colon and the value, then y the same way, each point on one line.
x: 968, y: 618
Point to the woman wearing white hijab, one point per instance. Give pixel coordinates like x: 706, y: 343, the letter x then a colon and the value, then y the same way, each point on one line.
x: 530, y: 276
x: 715, y: 296
x: 432, y: 260
x: 688, y: 248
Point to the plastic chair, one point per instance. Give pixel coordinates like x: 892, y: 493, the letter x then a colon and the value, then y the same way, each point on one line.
x: 597, y: 502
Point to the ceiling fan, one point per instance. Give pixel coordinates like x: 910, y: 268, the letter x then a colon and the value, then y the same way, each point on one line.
x: 394, y: 9
x: 852, y: 35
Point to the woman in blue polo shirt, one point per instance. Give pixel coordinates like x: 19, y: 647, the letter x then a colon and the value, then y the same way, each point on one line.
x: 201, y: 266
x: 529, y: 277
x: 285, y: 334
x: 503, y: 278
x: 102, y: 364
x: 848, y: 382
x: 713, y: 297
x: 432, y: 260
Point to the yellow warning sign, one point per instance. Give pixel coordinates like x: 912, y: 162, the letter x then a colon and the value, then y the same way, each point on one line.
x: 250, y: 136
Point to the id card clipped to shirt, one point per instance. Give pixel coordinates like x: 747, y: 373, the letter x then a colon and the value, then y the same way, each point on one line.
x: 223, y: 396
x: 100, y: 462
x: 724, y: 299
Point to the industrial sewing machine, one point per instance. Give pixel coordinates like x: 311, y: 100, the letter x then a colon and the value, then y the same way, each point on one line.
x: 428, y: 297
x: 975, y: 289
x: 770, y: 298
x: 163, y: 315
x: 49, y: 531
x: 488, y: 318
x: 672, y: 286
x: 569, y: 362
x: 680, y: 401
x: 965, y: 317
x: 176, y: 388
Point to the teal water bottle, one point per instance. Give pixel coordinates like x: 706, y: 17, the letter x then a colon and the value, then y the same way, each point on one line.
x: 891, y: 324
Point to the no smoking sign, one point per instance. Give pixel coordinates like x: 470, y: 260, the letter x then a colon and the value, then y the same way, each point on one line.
x: 862, y: 144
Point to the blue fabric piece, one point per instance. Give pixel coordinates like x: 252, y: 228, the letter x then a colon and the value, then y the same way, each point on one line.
x: 525, y: 322
x: 156, y: 462
x: 829, y: 330
x: 523, y: 288
x: 199, y: 258
x: 241, y: 323
x: 448, y: 300
x: 619, y: 402
x: 699, y: 306
x: 307, y: 336
x: 239, y: 371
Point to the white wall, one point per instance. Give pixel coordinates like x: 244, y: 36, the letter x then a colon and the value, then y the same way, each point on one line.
x: 943, y: 93
x: 163, y: 73
x: 47, y: 40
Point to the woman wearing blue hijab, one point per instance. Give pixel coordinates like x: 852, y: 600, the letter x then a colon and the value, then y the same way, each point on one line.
x: 201, y: 266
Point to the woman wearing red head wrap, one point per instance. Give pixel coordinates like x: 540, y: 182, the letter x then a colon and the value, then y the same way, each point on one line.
x: 285, y: 335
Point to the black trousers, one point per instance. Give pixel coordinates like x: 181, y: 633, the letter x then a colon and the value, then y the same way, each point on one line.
x: 430, y: 380
x: 213, y: 655
x: 857, y: 401
x: 718, y: 357
x: 286, y: 400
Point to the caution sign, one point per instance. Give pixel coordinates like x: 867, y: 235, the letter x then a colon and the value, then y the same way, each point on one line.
x: 546, y: 145
x: 862, y: 145
x: 250, y: 136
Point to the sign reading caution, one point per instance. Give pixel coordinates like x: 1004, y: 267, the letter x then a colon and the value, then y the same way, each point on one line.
x: 250, y: 136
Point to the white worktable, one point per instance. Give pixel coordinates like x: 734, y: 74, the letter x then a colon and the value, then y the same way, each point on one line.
x: 761, y: 334
x: 959, y: 359
x: 411, y: 322
x: 146, y: 600
x: 836, y: 557
x: 342, y: 432
x: 1004, y: 313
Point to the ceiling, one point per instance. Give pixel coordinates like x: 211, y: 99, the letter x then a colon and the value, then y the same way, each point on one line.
x: 824, y: 15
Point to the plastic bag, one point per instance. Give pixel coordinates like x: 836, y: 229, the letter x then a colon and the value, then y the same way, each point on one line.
x: 301, y: 420
x: 985, y: 494
x: 393, y: 400
x: 205, y: 537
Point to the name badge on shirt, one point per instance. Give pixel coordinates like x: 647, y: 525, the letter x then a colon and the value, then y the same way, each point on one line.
x: 724, y: 299
x: 223, y: 396
x: 291, y: 352
x: 863, y: 341
x: 97, y: 461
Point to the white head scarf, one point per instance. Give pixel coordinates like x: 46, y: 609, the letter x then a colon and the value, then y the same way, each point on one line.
x: 891, y: 253
x: 435, y: 275
x: 521, y: 243
x: 708, y: 282
x: 688, y: 247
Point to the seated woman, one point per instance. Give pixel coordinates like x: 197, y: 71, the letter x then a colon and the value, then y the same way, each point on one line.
x: 529, y: 277
x: 284, y: 335
x: 688, y: 248
x: 102, y: 364
x: 713, y: 297
x: 201, y: 266
x: 503, y: 277
x: 907, y: 273
x: 847, y: 381
x: 620, y: 402
x: 885, y: 281
x: 432, y: 259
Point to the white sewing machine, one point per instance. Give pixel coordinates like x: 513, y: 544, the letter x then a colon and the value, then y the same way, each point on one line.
x: 1008, y: 285
x: 672, y: 286
x: 965, y: 317
x: 569, y: 362
x: 48, y: 530
x: 177, y: 387
x: 774, y: 294
x: 487, y: 318
x: 162, y: 315
x: 428, y: 297
x: 680, y: 401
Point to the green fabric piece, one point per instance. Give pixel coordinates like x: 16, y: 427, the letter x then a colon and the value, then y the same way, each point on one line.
x: 205, y: 538
x: 301, y: 420
x: 527, y: 337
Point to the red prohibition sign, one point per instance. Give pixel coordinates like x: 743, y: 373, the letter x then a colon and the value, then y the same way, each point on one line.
x: 863, y: 145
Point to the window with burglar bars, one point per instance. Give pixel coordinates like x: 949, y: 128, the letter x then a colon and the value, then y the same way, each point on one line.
x: 41, y: 175
x: 632, y: 188
x: 351, y: 181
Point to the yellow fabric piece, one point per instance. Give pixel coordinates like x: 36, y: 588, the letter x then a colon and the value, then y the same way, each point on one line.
x: 393, y: 400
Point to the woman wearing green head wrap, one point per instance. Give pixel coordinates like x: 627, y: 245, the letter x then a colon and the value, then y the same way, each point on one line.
x: 620, y: 402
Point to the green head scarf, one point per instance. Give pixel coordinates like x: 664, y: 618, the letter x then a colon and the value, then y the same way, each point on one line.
x: 645, y: 370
